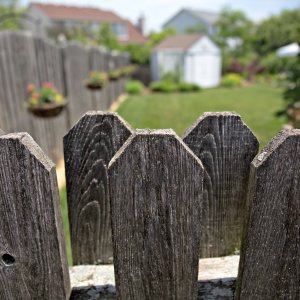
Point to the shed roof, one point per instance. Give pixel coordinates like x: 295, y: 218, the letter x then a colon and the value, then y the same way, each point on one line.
x: 179, y: 42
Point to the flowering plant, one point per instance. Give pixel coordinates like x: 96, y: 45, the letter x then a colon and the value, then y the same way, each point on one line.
x: 48, y: 94
x: 115, y: 74
x: 96, y: 80
x: 128, y: 70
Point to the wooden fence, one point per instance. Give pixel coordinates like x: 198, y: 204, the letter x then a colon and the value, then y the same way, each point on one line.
x: 152, y: 203
x: 28, y: 59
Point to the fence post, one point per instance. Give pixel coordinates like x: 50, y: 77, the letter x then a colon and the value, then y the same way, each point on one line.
x: 33, y: 261
x: 269, y: 264
x: 156, y: 193
x: 226, y: 147
x: 88, y: 148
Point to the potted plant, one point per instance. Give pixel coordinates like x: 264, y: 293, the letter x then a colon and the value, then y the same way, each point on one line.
x: 96, y: 80
x: 129, y: 70
x: 46, y: 102
x: 115, y: 74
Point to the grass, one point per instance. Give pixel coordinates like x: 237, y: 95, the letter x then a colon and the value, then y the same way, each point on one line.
x: 64, y: 211
x: 256, y: 104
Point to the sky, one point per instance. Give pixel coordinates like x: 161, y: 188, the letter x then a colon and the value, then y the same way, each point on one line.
x: 157, y: 12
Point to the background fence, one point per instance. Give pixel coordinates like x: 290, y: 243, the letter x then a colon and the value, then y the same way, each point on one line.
x: 145, y: 198
x: 28, y: 59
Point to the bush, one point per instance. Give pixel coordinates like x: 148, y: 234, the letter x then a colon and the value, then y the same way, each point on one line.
x: 163, y: 87
x: 188, y: 87
x: 232, y: 80
x: 274, y: 64
x: 134, y: 87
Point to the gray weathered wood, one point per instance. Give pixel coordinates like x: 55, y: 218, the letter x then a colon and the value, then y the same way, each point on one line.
x: 36, y: 61
x: 49, y: 132
x: 76, y: 64
x: 33, y: 261
x: 156, y: 193
x: 226, y: 147
x: 270, y: 258
x: 88, y: 148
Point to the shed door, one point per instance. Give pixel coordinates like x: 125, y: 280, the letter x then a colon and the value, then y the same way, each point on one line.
x: 202, y: 69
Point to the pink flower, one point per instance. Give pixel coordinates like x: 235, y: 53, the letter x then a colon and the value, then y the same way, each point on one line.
x: 35, y: 96
x: 48, y: 85
x: 30, y: 88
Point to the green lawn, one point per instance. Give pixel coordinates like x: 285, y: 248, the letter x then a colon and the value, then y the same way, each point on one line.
x: 64, y: 211
x: 256, y: 105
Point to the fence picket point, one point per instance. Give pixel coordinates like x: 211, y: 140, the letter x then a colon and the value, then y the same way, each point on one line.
x: 269, y: 264
x: 88, y: 148
x: 33, y: 262
x: 226, y: 147
x: 156, y: 193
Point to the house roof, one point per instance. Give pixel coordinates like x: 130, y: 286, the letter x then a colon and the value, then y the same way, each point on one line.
x: 62, y: 12
x: 178, y: 42
x: 90, y: 14
x: 209, y: 17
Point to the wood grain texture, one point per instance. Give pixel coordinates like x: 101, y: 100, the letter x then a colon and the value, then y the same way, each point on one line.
x: 226, y: 147
x: 156, y: 193
x: 88, y: 148
x: 270, y: 265
x: 33, y: 261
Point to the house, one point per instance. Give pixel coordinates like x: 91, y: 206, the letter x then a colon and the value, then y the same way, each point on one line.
x: 192, y: 20
x: 193, y: 57
x: 50, y: 16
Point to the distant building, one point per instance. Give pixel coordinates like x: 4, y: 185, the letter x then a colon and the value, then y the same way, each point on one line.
x: 192, y: 20
x: 50, y: 16
x: 193, y: 57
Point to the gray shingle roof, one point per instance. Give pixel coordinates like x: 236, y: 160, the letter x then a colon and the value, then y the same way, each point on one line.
x: 178, y: 42
x: 209, y: 17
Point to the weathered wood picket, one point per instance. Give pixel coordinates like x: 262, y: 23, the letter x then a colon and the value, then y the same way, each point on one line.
x: 28, y: 59
x: 226, y: 147
x: 162, y: 203
x: 89, y: 147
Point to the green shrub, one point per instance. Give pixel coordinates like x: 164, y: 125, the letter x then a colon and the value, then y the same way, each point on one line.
x: 134, y: 87
x: 163, y: 87
x: 188, y: 87
x: 232, y: 80
x: 171, y: 77
x: 274, y: 64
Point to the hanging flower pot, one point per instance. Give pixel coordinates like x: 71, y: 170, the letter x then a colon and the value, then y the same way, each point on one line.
x: 114, y: 74
x: 96, y: 80
x: 128, y: 70
x: 45, y: 103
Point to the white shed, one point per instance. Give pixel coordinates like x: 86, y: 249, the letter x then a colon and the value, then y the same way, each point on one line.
x: 194, y: 57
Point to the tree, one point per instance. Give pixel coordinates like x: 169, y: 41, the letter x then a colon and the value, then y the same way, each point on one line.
x: 277, y: 31
x: 157, y: 37
x: 107, y: 38
x: 234, y: 31
x: 10, y: 14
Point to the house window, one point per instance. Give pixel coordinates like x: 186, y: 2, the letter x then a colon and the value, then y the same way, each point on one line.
x: 94, y: 26
x: 120, y: 30
x: 68, y: 24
